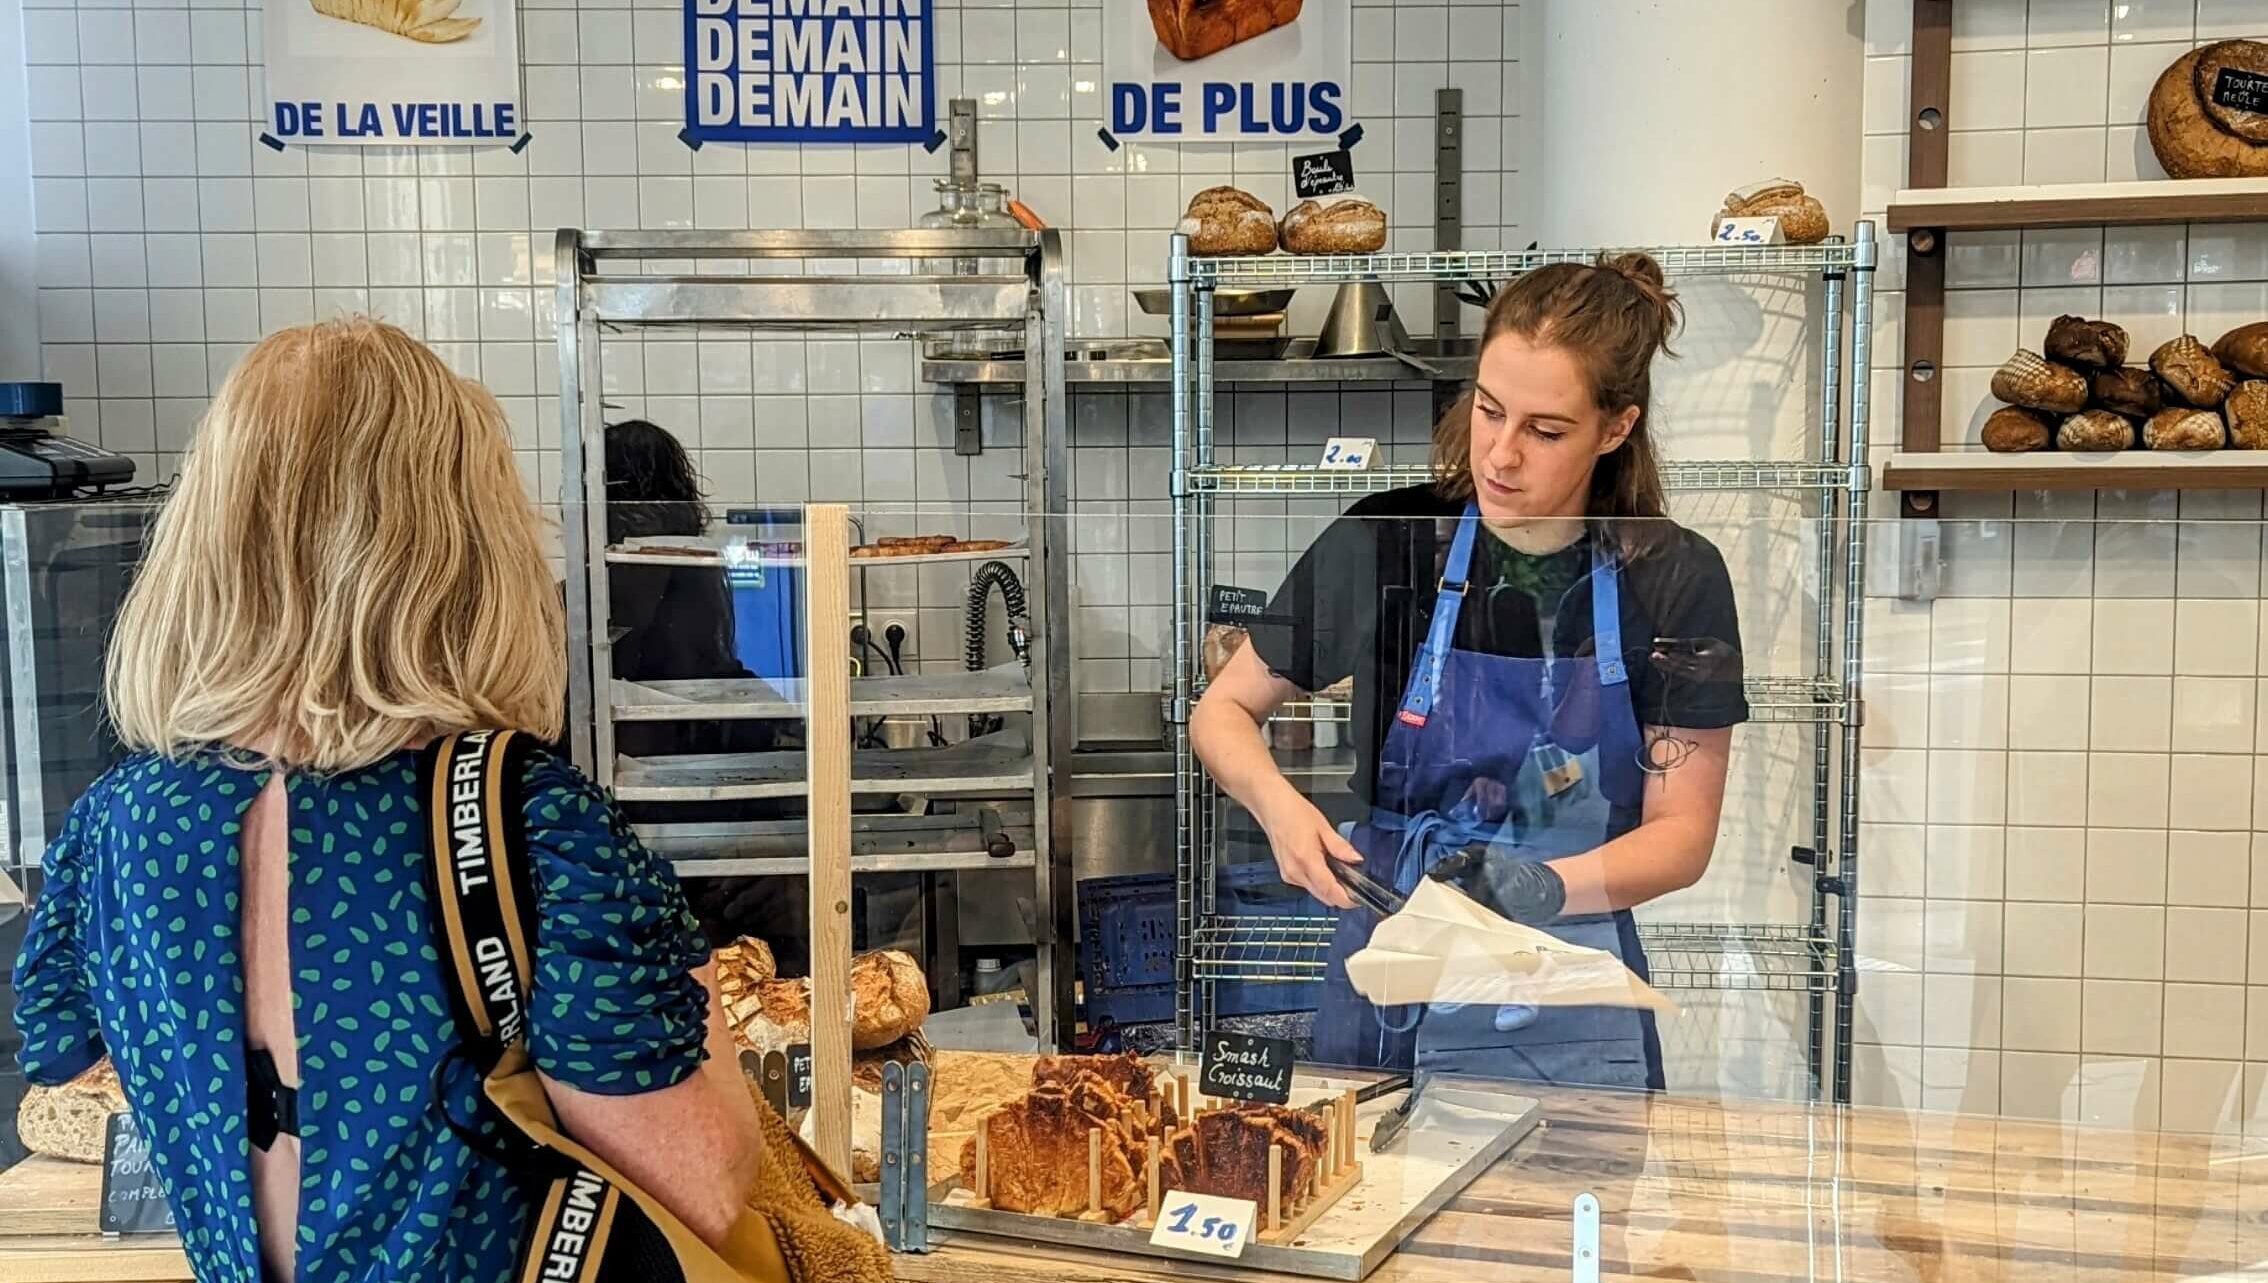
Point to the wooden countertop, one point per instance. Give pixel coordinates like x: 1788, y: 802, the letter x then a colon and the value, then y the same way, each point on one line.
x: 1743, y: 1192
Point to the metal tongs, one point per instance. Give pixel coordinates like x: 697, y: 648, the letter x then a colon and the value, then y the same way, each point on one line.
x: 1368, y: 891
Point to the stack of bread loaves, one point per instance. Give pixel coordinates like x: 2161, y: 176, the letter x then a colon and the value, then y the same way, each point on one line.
x: 1230, y: 220
x: 2082, y: 396
x: 889, y: 1001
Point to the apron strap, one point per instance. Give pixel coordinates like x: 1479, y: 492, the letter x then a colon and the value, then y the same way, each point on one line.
x: 1448, y: 604
x: 1606, y: 617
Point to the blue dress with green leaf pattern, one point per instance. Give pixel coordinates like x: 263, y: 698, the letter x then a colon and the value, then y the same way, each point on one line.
x: 133, y: 950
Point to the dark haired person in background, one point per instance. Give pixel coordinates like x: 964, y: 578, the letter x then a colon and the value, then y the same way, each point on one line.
x: 675, y: 622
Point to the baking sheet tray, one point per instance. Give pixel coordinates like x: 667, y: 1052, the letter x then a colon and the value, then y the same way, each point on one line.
x: 1457, y: 1131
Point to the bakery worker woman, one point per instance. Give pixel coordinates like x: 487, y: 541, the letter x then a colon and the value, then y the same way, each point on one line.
x: 1546, y: 676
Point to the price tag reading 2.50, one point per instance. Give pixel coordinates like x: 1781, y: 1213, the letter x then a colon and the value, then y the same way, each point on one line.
x: 1204, y: 1223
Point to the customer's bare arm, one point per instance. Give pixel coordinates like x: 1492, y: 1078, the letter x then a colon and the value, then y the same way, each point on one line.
x: 695, y: 1145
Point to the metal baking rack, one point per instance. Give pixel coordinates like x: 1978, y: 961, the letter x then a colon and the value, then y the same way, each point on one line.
x: 645, y: 279
x: 1815, y: 957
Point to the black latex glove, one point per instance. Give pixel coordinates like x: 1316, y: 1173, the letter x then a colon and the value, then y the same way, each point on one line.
x: 1527, y: 891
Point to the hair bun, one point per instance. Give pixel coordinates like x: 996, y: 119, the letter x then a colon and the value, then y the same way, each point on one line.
x: 1646, y: 276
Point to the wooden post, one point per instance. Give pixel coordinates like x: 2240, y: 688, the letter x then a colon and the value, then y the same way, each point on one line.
x: 1330, y: 1156
x: 827, y: 767
x: 1153, y: 1169
x: 1275, y: 1186
x: 1181, y: 1087
x: 1346, y: 1129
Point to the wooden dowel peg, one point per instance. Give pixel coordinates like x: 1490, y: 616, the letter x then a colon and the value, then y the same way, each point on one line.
x: 1094, y: 1171
x: 1329, y: 1159
x: 1181, y: 1088
x: 1275, y: 1186
x: 1153, y: 1172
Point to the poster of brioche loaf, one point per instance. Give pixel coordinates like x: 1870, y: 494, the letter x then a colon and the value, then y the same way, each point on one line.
x: 1224, y: 70
x: 394, y: 72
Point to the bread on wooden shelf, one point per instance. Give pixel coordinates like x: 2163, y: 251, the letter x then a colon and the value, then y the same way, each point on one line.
x: 2193, y: 134
x: 70, y: 1121
x: 2130, y: 390
x: 2191, y: 372
x: 2245, y: 349
x: 2246, y: 411
x: 1228, y: 220
x: 2182, y: 428
x: 2030, y: 380
x: 2093, y: 430
x: 2012, y: 429
x: 2093, y: 345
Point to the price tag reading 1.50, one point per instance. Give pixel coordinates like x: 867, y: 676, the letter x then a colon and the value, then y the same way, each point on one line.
x: 1204, y: 1223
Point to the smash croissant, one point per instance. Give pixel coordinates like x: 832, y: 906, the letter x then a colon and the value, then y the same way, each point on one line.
x: 425, y: 21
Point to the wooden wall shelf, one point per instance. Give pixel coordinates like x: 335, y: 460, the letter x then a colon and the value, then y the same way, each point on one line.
x: 2124, y: 470
x: 2165, y: 200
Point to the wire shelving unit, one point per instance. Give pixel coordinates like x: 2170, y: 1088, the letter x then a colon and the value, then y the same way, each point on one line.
x: 1815, y: 957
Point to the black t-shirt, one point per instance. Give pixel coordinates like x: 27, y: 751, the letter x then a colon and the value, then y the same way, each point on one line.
x: 1360, y: 599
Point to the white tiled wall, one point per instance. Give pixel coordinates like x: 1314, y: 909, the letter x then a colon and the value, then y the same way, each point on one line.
x: 2062, y: 782
x: 169, y: 240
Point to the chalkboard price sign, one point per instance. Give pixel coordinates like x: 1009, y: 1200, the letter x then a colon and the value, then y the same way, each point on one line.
x: 798, y: 1075
x: 1246, y: 1067
x: 132, y: 1200
x: 1230, y: 604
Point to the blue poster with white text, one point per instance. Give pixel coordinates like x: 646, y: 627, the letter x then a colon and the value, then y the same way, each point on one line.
x: 810, y: 71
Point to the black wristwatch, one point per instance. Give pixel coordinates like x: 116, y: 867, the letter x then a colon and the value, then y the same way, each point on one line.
x: 1527, y: 891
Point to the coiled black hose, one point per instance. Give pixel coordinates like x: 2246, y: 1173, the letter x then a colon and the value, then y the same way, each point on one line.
x: 991, y: 575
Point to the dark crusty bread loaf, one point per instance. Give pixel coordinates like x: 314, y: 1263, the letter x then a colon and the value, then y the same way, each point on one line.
x: 2029, y: 380
x: 2245, y: 349
x: 2246, y: 411
x: 2075, y: 340
x: 2092, y: 430
x: 1351, y: 226
x: 2012, y: 429
x: 2179, y: 427
x: 2191, y: 372
x: 1228, y: 220
x: 2130, y: 390
x: 2190, y: 141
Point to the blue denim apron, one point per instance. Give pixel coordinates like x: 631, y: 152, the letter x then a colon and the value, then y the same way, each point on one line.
x: 1478, y: 752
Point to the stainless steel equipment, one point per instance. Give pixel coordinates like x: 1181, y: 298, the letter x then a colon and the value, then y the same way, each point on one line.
x: 64, y: 571
x: 995, y: 808
x: 1361, y: 322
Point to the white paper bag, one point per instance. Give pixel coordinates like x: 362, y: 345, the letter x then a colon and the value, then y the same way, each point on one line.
x: 1445, y: 948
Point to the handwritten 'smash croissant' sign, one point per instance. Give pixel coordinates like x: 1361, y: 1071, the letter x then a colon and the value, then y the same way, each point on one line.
x: 393, y: 71
x: 845, y: 71
x: 1204, y: 70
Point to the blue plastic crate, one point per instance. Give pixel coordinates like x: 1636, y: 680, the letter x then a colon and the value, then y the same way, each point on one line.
x: 1126, y: 927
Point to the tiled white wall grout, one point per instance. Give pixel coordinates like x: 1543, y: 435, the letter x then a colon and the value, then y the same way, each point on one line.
x: 2091, y: 1021
x: 169, y: 241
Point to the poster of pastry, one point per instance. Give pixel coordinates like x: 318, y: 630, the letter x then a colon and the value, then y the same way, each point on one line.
x: 392, y: 71
x: 1227, y: 70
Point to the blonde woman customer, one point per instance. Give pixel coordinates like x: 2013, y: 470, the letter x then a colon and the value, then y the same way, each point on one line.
x: 348, y: 569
